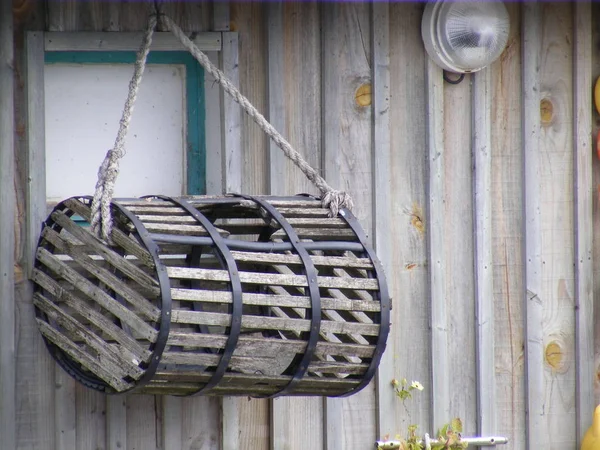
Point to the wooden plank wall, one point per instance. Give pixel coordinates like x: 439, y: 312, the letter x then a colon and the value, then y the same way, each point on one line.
x: 350, y: 85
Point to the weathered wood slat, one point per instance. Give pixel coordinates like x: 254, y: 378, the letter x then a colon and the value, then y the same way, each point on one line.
x: 122, y: 264
x: 114, y: 360
x: 78, y: 255
x: 98, y: 367
x: 99, y: 296
x: 272, y: 279
x: 275, y: 300
x: 318, y: 261
x: 273, y: 323
x: 247, y: 345
x: 315, y: 233
x: 118, y: 237
x: 127, y: 342
x: 187, y: 230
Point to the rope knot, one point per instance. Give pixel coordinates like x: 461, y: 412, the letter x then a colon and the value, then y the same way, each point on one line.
x: 336, y: 200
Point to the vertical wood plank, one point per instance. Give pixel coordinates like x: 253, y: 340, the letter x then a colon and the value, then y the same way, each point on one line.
x: 248, y: 19
x: 172, y: 422
x: 459, y: 253
x: 382, y: 211
x: 7, y: 231
x: 346, y: 99
x: 116, y: 422
x: 200, y: 427
x: 220, y: 16
x: 558, y: 231
x: 584, y: 288
x: 214, y: 144
x: 65, y: 410
x: 402, y: 204
x: 142, y: 412
x: 91, y: 419
x: 34, y: 368
x: 534, y: 374
x: 508, y: 239
x: 440, y: 399
x: 482, y: 224
x: 231, y: 149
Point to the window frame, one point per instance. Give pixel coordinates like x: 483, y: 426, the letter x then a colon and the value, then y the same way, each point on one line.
x: 223, y: 162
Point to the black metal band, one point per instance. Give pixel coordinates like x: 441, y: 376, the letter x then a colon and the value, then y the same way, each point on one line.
x: 315, y: 297
x: 384, y: 300
x: 165, y: 301
x: 236, y: 291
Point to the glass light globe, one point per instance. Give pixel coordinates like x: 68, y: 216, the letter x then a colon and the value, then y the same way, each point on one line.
x: 465, y: 36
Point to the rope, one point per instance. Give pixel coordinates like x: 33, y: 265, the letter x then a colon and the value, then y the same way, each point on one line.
x: 330, y: 198
x: 101, y: 220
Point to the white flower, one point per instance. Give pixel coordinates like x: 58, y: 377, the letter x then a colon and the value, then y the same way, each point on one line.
x: 416, y: 385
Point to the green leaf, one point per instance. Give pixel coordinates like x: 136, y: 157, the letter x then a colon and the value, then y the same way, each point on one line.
x: 456, y: 425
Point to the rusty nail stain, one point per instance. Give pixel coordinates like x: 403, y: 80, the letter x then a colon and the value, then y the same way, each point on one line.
x: 363, y: 95
x: 410, y: 266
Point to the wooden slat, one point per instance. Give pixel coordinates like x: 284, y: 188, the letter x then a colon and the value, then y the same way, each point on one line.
x: 97, y: 319
x: 116, y: 422
x: 7, y: 230
x: 342, y: 304
x: 128, y: 268
x: 584, y: 284
x: 318, y: 233
x: 318, y: 261
x: 482, y: 232
x: 96, y: 366
x: 114, y: 361
x: 99, y: 296
x: 232, y: 117
x: 124, y: 41
x: 247, y: 345
x: 275, y: 279
x: 273, y: 323
x: 119, y: 238
x: 534, y: 310
x: 142, y: 304
x: 437, y: 186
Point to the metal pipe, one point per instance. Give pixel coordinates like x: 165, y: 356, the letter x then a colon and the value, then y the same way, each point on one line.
x: 476, y: 441
x: 7, y: 236
x: 257, y: 246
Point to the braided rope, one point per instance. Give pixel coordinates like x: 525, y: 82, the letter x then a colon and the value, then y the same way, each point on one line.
x: 331, y: 198
x: 101, y: 220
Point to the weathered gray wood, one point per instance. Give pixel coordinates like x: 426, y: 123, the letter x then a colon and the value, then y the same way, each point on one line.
x: 116, y: 422
x: 71, y: 349
x: 275, y: 279
x: 248, y: 345
x: 440, y: 399
x: 275, y: 300
x: 220, y: 16
x: 508, y: 242
x: 97, y: 319
x: 584, y: 285
x: 128, y: 268
x: 276, y: 258
x: 382, y: 211
x: 90, y: 410
x: 7, y: 231
x: 142, y: 304
x: 142, y: 415
x: 273, y: 323
x: 114, y: 361
x: 172, y: 420
x: 200, y: 427
x: 124, y: 41
x: 232, y: 118
x: 119, y: 238
x: 484, y: 270
x: 101, y: 297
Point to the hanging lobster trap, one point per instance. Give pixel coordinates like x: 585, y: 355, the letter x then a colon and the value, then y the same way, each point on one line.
x: 229, y: 295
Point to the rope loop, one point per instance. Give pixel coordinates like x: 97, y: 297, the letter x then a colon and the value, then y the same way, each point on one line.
x: 101, y: 221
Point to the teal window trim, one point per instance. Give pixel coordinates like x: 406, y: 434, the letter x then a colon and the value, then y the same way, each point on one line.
x: 195, y: 100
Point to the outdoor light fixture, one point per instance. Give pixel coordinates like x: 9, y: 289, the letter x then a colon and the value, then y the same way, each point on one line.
x: 465, y: 36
